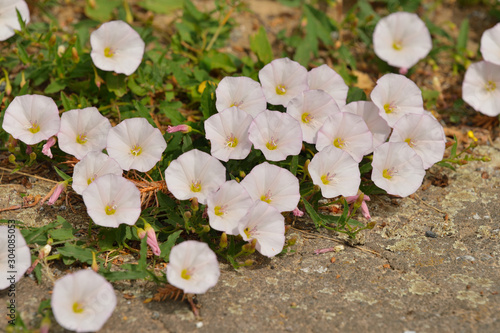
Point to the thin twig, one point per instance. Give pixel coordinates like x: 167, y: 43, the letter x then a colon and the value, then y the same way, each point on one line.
x: 425, y: 203
x: 28, y: 175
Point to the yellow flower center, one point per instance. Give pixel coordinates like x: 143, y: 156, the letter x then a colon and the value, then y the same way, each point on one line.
x: 90, y: 180
x: 77, y: 307
x: 219, y: 211
x: 280, y: 89
x: 136, y: 150
x: 327, y: 178
x: 410, y: 142
x: 490, y: 86
x: 306, y: 117
x: 231, y: 141
x: 195, y: 186
x: 35, y: 128
x: 247, y: 232
x: 397, y: 46
x: 272, y: 144
x: 266, y: 197
x: 110, y: 210
x: 185, y: 274
x: 339, y: 143
x: 81, y: 139
x: 108, y: 53
x: 387, y: 173
x: 388, y: 108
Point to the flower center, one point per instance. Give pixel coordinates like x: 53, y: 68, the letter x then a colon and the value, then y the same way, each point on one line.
x: 110, y: 209
x: 272, y: 144
x: 339, y: 143
x: 389, y: 108
x: 77, y: 307
x: 236, y: 104
x: 397, y: 46
x: 266, y: 197
x: 136, y: 150
x: 247, y: 232
x: 81, y: 139
x: 388, y: 173
x: 231, y: 141
x: 490, y: 86
x: 195, y: 186
x: 108, y: 52
x: 35, y: 128
x: 410, y: 142
x: 280, y: 89
x: 186, y: 274
x: 90, y: 180
x: 307, y: 117
x: 327, y: 178
x: 219, y: 211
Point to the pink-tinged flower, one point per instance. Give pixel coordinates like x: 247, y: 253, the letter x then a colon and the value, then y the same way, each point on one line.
x: 116, y: 47
x: 335, y: 172
x: 348, y: 132
x: 265, y: 224
x: 193, y: 267
x: 12, y: 268
x: 297, y: 212
x: 112, y: 200
x: 424, y: 134
x: 228, y: 134
x: 328, y: 80
x: 242, y: 92
x: 135, y: 144
x: 82, y: 131
x: 276, y: 134
x: 60, y: 187
x: 194, y: 174
x: 83, y: 301
x: 151, y: 238
x: 376, y: 124
x: 274, y: 185
x: 490, y: 44
x: 397, y: 168
x: 31, y: 118
x: 395, y: 95
x: 481, y: 88
x: 227, y: 206
x: 179, y: 128
x: 282, y: 80
x: 311, y: 109
x: 401, y: 39
x: 364, y: 206
x: 46, y: 147
x: 8, y: 17
x: 91, y: 167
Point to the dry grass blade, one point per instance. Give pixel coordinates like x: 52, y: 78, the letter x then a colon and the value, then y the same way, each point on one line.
x: 168, y: 291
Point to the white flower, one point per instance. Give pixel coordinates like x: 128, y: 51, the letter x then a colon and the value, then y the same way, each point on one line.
x: 228, y: 134
x: 490, y: 44
x: 116, y: 47
x: 135, y: 144
x: 335, y: 172
x: 481, y: 88
x: 193, y: 267
x: 112, y: 200
x: 282, y: 80
x: 15, y: 256
x: 82, y: 131
x: 376, y: 124
x: 83, y: 301
x: 311, y: 109
x: 348, y: 132
x: 227, y: 206
x: 274, y: 185
x: 424, y: 134
x: 266, y: 225
x: 194, y: 174
x: 31, y: 118
x: 328, y: 80
x: 276, y: 134
x: 401, y: 39
x: 395, y: 95
x: 242, y: 92
x: 8, y: 17
x: 92, y: 166
x: 397, y: 169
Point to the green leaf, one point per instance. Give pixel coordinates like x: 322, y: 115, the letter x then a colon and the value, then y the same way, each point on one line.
x: 318, y: 221
x: 55, y: 86
x: 216, y: 60
x: 355, y: 94
x: 76, y: 252
x: 347, y: 56
x: 453, y: 152
x: 463, y: 35
x: 67, y: 102
x: 61, y: 234
x: 165, y: 247
x: 365, y: 168
x: 259, y: 44
x: 116, y: 83
x: 103, y: 9
x: 355, y: 223
x: 208, y: 101
x: 294, y: 164
x: 171, y: 111
x: 161, y: 6
x: 61, y: 174
x: 135, y: 88
x: 141, y: 264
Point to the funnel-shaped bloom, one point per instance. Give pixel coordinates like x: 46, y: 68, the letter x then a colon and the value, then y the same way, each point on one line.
x: 135, y: 144
x: 193, y: 267
x: 82, y: 131
x: 401, y: 39
x: 112, y: 200
x: 395, y: 95
x: 311, y: 109
x: 424, y: 134
x: 116, y: 47
x: 481, y: 88
x: 83, y: 301
x: 276, y: 134
x: 32, y: 118
x: 397, y: 169
x: 228, y: 134
x: 8, y: 17
x: 335, y: 172
x: 274, y: 185
x: 242, y: 92
x: 15, y: 256
x: 490, y: 44
x: 376, y: 124
x: 227, y: 206
x: 91, y: 167
x: 282, y: 80
x: 348, y: 132
x: 328, y: 80
x: 194, y: 174
x: 265, y: 224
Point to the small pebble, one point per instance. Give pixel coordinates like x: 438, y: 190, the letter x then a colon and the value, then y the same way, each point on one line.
x: 466, y: 258
x: 430, y: 234
x: 62, y: 207
x: 199, y: 324
x: 155, y: 315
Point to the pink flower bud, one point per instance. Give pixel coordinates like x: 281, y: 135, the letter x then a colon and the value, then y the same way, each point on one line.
x: 179, y: 128
x: 46, y: 147
x: 297, y: 212
x: 57, y: 192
